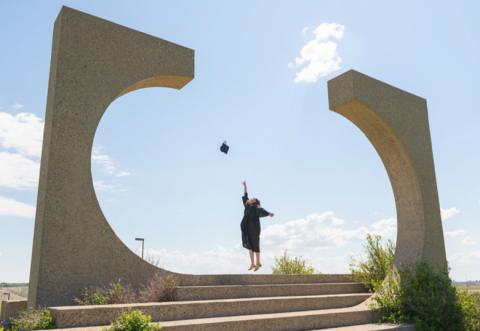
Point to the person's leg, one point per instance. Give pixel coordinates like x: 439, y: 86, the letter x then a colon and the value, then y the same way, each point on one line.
x: 252, y: 261
x: 257, y: 258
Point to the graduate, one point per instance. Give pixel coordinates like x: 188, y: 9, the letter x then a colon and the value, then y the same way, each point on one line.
x: 251, y: 227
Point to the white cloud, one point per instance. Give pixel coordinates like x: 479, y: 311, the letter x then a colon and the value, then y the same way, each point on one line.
x: 319, y: 57
x: 17, y: 106
x: 468, y: 241
x: 323, y: 239
x: 106, y: 162
x: 462, y: 236
x: 386, y: 227
x: 12, y: 207
x: 455, y: 234
x: 217, y: 260
x: 21, y: 138
x: 449, y: 213
x: 319, y: 230
x: 18, y: 171
x: 22, y: 132
x: 235, y: 260
x: 100, y: 185
x: 463, y: 265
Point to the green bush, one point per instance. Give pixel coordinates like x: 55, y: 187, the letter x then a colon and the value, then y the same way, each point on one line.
x: 286, y: 265
x: 133, y: 320
x: 377, y: 265
x: 112, y: 294
x: 470, y: 304
x: 419, y: 294
x: 425, y: 296
x: 429, y: 298
x: 93, y: 296
x: 33, y: 319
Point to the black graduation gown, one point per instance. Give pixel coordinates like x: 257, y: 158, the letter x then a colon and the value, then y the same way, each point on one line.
x: 251, y: 225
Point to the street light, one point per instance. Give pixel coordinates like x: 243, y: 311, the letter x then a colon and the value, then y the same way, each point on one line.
x: 143, y: 243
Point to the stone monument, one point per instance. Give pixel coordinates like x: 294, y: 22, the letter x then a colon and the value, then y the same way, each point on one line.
x: 93, y: 63
x: 396, y: 123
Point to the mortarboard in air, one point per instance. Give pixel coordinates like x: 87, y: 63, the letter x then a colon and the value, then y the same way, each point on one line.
x: 224, y: 148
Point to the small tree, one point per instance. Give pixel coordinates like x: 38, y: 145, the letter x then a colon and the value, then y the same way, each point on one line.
x: 377, y: 265
x: 286, y: 265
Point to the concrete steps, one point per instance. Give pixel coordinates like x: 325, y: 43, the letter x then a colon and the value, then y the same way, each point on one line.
x: 258, y: 279
x: 291, y: 321
x: 265, y: 290
x: 75, y: 316
x: 245, y: 303
x: 372, y: 327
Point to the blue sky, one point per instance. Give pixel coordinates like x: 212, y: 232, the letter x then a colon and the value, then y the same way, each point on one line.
x: 156, y: 165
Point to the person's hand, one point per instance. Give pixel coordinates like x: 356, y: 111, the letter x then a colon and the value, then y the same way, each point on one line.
x: 244, y: 183
x: 272, y: 214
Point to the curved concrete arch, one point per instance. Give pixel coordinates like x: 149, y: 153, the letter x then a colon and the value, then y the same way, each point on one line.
x: 94, y: 62
x: 396, y: 123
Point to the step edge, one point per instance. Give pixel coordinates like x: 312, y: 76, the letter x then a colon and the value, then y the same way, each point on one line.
x: 64, y: 309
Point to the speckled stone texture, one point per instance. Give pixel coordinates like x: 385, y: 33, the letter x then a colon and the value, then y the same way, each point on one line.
x: 93, y: 62
x: 9, y: 309
x: 396, y: 123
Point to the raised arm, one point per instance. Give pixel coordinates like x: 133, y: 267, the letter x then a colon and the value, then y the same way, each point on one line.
x: 263, y: 213
x: 245, y: 193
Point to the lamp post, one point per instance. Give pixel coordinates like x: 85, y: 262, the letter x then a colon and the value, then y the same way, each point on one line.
x: 143, y: 243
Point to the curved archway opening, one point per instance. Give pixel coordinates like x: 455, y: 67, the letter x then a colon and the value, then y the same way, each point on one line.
x: 175, y: 189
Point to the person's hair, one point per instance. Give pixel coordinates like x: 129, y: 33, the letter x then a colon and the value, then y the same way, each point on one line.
x: 254, y: 201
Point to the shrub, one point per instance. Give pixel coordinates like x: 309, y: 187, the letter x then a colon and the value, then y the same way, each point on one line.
x: 286, y: 265
x: 419, y: 293
x: 425, y: 296
x: 377, y: 265
x: 92, y: 296
x: 33, y: 319
x: 387, y: 299
x: 118, y: 293
x: 159, y: 288
x: 114, y: 293
x: 470, y: 304
x: 133, y: 320
x: 429, y: 299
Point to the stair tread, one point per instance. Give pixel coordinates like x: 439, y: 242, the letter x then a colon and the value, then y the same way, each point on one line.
x: 268, y: 285
x: 260, y: 279
x: 371, y: 327
x: 218, y: 320
x: 149, y: 304
x: 320, y: 312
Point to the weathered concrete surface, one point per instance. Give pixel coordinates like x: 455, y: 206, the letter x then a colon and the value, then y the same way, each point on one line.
x: 291, y: 321
x: 93, y: 63
x: 373, y: 327
x: 258, y: 279
x: 10, y: 309
x: 396, y: 123
x: 265, y: 290
x: 76, y: 316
